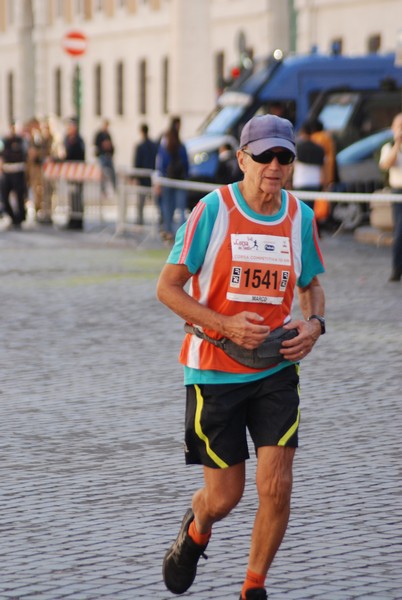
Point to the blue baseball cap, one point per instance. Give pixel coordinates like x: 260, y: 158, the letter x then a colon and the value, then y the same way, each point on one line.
x: 266, y: 132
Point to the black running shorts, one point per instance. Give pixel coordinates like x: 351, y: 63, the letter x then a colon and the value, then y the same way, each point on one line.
x: 218, y: 417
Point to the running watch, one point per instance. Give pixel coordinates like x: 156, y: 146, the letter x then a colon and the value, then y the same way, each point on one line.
x: 321, y: 320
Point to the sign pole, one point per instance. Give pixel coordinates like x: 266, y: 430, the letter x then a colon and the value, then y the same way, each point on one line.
x: 75, y: 44
x: 77, y: 92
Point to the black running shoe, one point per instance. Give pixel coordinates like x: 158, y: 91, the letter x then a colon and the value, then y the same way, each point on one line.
x: 255, y: 594
x: 180, y: 562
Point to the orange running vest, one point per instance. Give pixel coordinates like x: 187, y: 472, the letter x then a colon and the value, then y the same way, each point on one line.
x: 250, y: 265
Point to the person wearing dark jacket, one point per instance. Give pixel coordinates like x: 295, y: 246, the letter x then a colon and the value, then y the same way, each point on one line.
x: 172, y: 162
x: 308, y: 172
x: 144, y: 158
x: 74, y: 150
x: 14, y: 156
x: 104, y: 150
x: 228, y: 169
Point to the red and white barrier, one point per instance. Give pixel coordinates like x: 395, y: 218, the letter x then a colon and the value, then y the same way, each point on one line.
x: 72, y: 171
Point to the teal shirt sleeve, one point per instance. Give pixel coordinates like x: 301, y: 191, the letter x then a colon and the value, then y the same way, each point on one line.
x: 311, y: 257
x: 193, y: 237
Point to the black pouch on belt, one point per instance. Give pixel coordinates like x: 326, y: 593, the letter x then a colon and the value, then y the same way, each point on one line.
x: 262, y: 357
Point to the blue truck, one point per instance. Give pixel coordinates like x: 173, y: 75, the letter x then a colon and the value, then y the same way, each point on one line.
x: 353, y: 96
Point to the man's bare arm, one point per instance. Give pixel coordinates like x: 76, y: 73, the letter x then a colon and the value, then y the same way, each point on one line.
x: 312, y: 302
x: 245, y: 328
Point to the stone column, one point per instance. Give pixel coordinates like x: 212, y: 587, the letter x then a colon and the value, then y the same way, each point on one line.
x: 306, y: 25
x: 279, y: 25
x: 191, y: 63
x: 39, y: 40
x: 23, y: 92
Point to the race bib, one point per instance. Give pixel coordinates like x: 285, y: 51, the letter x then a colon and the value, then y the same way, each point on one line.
x: 260, y: 270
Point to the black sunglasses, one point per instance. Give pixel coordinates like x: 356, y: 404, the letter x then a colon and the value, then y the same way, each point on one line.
x: 285, y: 157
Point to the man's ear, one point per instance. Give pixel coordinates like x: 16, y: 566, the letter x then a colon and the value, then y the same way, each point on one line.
x: 241, y: 159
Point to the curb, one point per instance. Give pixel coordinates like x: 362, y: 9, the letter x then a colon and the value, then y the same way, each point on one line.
x: 371, y: 235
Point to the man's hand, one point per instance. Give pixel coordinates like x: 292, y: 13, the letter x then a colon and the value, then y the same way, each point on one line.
x: 398, y: 140
x: 302, y: 344
x: 245, y: 329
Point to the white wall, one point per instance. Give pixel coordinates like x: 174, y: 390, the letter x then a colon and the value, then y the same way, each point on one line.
x: 190, y: 33
x: 321, y: 21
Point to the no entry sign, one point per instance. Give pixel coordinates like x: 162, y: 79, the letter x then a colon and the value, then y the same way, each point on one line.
x: 75, y: 43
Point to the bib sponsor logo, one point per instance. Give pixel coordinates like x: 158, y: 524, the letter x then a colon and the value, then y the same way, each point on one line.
x: 264, y: 249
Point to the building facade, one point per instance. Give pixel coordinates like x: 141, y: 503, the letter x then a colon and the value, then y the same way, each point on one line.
x: 146, y: 60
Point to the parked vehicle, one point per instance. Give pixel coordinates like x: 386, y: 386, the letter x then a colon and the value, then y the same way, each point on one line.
x: 353, y: 97
x: 359, y: 172
x: 358, y: 163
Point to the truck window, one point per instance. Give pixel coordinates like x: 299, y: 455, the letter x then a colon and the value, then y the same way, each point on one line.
x: 337, y: 110
x: 237, y: 103
x: 378, y: 110
x: 223, y: 120
x: 351, y: 116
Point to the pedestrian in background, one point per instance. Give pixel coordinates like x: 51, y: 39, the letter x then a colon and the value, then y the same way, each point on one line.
x: 245, y: 248
x: 74, y: 150
x: 104, y: 151
x: 14, y: 157
x: 172, y: 162
x: 50, y: 153
x: 308, y: 173
x: 326, y: 141
x: 144, y: 158
x: 1, y: 179
x: 36, y: 158
x: 175, y: 123
x: 48, y: 140
x: 228, y: 168
x: 391, y: 161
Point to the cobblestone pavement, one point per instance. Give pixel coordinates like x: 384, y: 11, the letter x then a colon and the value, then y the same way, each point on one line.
x: 93, y: 483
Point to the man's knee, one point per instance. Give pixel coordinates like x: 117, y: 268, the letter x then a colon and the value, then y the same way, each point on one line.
x: 222, y: 491
x: 219, y: 505
x: 276, y: 490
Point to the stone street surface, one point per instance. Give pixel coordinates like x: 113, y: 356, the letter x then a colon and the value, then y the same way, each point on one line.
x: 93, y: 482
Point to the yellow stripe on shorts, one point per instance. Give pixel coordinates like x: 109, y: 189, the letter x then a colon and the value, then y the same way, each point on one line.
x: 285, y: 438
x: 198, y: 429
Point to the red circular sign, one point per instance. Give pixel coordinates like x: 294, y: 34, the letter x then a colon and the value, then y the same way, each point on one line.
x: 75, y: 43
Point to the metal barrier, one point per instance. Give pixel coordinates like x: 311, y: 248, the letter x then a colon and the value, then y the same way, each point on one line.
x: 79, y: 190
x: 348, y: 196
x: 73, y: 190
x: 130, y: 191
x: 345, y: 201
x: 121, y: 207
x: 136, y: 204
